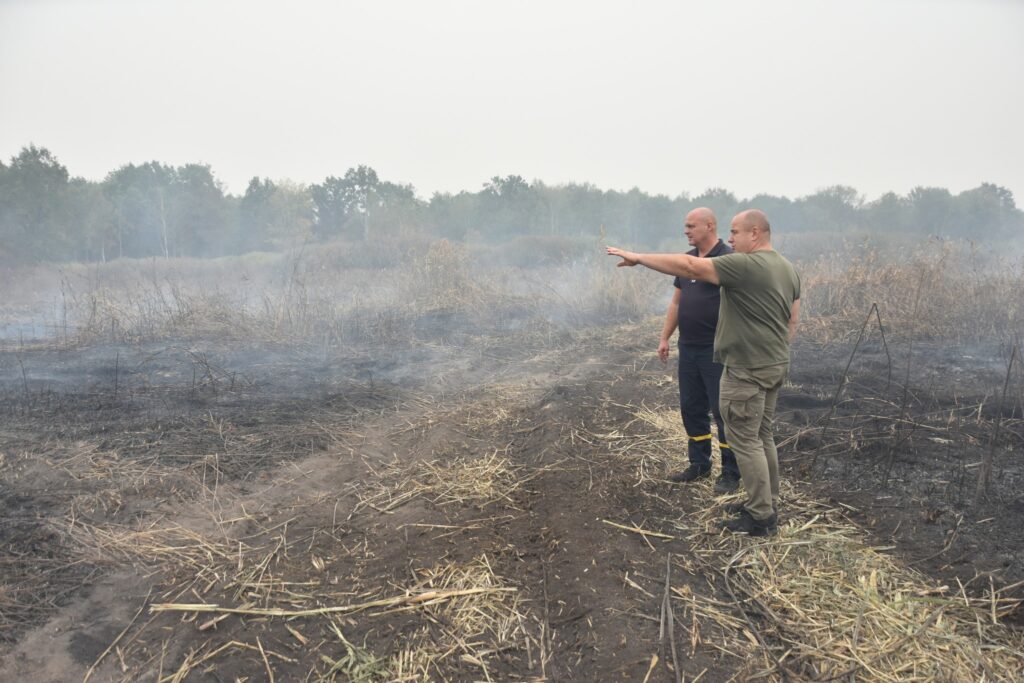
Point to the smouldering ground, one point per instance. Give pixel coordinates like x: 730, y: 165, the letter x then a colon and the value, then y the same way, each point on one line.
x: 489, y: 511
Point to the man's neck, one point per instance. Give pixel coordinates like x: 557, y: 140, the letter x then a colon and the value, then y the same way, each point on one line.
x: 703, y: 249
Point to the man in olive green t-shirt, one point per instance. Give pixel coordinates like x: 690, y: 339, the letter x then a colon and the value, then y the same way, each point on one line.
x: 756, y: 322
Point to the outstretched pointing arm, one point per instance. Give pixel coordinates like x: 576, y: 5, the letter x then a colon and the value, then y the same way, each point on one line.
x: 683, y: 265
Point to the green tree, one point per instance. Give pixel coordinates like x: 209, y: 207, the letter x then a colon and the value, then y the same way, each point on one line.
x: 34, y: 218
x: 328, y: 207
x: 511, y: 207
x: 988, y: 211
x: 833, y: 208
x: 141, y: 197
x: 888, y: 213
x: 933, y: 211
x: 92, y: 221
x: 360, y: 194
x: 360, y: 204
x: 396, y: 210
x: 455, y: 216
x: 273, y: 216
x: 292, y: 209
x: 199, y: 212
x: 572, y: 209
x: 255, y: 215
x: 342, y: 205
x: 165, y: 211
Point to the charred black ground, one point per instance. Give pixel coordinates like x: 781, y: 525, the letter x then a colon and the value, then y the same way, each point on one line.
x: 98, y: 439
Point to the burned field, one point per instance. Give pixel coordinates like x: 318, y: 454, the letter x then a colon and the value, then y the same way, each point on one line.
x: 489, y: 503
x: 933, y: 469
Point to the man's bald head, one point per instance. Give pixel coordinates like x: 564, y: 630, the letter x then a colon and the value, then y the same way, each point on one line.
x: 702, y: 214
x: 750, y: 231
x: 701, y: 229
x: 754, y: 218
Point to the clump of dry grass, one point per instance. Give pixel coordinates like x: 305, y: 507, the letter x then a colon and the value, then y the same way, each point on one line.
x: 477, y: 627
x: 156, y: 548
x: 479, y: 481
x: 442, y: 279
x: 305, y: 297
x: 657, y: 448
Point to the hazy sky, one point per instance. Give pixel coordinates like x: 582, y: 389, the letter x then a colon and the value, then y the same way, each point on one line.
x: 778, y: 97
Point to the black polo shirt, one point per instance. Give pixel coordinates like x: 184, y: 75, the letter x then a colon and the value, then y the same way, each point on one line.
x: 698, y: 304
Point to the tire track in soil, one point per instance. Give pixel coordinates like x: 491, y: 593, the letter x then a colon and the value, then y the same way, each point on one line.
x: 575, y: 564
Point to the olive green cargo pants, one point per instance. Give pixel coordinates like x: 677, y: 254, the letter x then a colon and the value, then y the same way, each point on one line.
x: 747, y: 398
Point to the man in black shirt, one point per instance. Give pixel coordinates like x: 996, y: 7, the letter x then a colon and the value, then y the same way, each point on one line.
x: 694, y: 310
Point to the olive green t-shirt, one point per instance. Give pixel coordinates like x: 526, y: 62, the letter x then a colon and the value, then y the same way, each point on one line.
x: 758, y: 291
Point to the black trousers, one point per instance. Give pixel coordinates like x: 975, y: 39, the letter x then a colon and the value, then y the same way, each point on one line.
x: 699, y: 378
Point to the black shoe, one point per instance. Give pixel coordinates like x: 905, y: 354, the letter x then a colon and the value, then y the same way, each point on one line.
x: 727, y: 483
x: 691, y: 473
x: 740, y: 506
x: 733, y: 508
x: 745, y: 523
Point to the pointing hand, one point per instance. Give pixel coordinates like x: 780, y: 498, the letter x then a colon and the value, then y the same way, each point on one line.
x: 629, y: 258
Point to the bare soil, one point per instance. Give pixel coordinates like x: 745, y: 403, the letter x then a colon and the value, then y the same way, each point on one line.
x: 319, y: 475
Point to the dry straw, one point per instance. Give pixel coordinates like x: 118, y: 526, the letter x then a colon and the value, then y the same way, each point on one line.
x: 940, y: 291
x: 464, y: 613
x: 480, y: 481
x: 818, y: 602
x: 468, y: 613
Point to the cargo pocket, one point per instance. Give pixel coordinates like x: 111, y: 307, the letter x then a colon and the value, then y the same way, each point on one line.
x: 740, y: 403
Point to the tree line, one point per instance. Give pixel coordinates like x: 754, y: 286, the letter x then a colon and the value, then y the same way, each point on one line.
x: 157, y: 210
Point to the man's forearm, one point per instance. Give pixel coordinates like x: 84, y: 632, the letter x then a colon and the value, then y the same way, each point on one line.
x: 670, y: 264
x: 671, y: 322
x: 794, y: 319
x: 682, y: 265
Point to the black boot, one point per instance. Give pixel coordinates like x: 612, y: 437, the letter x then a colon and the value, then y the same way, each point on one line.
x: 739, y: 506
x: 691, y: 473
x: 745, y: 523
x: 727, y: 483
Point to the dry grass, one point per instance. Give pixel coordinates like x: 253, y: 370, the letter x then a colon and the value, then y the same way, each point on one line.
x: 819, y: 602
x: 480, y: 481
x: 306, y: 298
x: 155, y: 548
x: 443, y: 280
x: 323, y: 295
x: 615, y: 295
x: 473, y: 629
x: 462, y: 613
x: 938, y: 292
